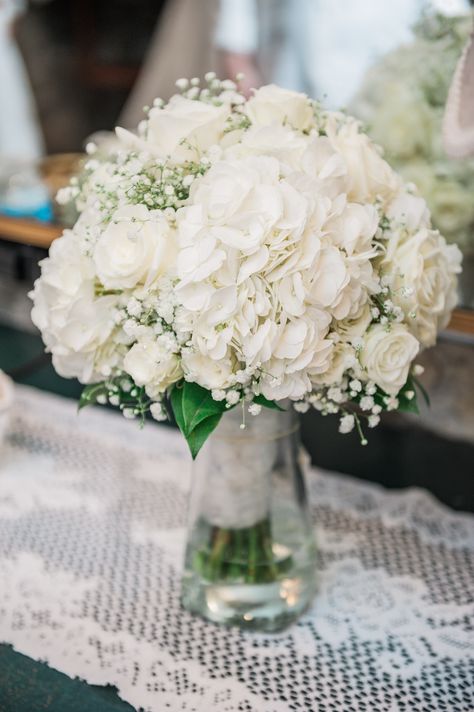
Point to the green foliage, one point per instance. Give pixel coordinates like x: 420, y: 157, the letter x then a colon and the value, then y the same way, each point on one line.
x: 196, y: 413
x: 120, y: 391
x: 261, y: 400
x: 411, y: 405
x: 407, y: 404
x: 422, y: 390
x: 197, y: 437
x: 90, y: 394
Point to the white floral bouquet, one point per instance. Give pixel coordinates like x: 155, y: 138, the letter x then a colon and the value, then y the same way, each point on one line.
x: 402, y: 103
x: 244, y: 252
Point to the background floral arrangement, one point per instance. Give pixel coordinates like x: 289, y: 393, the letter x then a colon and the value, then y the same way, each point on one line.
x: 244, y: 252
x: 402, y: 103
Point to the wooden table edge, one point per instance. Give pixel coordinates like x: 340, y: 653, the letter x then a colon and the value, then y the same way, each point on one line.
x: 29, y: 232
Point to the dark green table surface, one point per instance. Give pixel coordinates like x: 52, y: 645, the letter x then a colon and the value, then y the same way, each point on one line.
x: 29, y: 686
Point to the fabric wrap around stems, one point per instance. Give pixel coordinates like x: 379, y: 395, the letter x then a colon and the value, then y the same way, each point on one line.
x: 236, y: 491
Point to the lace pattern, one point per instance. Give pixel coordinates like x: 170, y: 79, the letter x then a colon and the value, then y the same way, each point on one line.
x: 92, y: 530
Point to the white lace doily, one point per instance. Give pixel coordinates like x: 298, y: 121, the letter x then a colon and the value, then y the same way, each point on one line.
x: 92, y: 517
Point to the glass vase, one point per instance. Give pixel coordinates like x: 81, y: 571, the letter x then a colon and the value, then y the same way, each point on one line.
x: 250, y: 555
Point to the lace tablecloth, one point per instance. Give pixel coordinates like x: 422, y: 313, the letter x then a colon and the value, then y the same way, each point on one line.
x: 92, y: 528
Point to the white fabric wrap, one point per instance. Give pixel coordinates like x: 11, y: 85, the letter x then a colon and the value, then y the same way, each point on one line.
x: 234, y: 471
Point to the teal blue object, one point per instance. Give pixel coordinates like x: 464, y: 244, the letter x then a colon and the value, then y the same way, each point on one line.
x: 43, y: 212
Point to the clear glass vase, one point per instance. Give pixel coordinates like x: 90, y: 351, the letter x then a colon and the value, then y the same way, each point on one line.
x: 250, y: 556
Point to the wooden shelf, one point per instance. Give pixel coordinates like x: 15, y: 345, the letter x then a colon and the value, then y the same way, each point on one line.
x: 38, y: 234
x: 28, y: 232
x: 462, y: 321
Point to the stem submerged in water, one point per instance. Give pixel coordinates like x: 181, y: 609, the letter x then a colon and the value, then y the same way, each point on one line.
x: 239, y: 555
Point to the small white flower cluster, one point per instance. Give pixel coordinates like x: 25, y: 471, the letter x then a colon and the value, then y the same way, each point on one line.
x: 216, y: 90
x: 352, y: 399
x: 135, y: 178
x: 262, y: 249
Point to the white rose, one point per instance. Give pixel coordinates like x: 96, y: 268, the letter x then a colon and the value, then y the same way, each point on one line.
x: 387, y: 355
x: 273, y: 104
x: 75, y: 332
x: 368, y: 175
x: 66, y: 268
x: 87, y: 322
x: 136, y: 247
x: 185, y: 127
x: 223, y: 189
x: 74, y: 323
x: 75, y: 365
x: 168, y: 371
x: 280, y: 142
x: 151, y: 366
x: 90, y: 366
x: 424, y: 270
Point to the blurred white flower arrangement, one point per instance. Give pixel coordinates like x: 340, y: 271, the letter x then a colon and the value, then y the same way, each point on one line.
x: 402, y: 102
x: 244, y: 252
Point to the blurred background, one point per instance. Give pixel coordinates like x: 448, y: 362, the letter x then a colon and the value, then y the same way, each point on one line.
x: 70, y: 69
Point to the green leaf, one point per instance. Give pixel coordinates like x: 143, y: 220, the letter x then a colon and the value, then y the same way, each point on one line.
x: 89, y: 394
x: 201, y: 432
x: 198, y: 405
x: 176, y: 398
x: 405, y: 404
x: 408, y: 406
x: 423, y: 391
x: 261, y: 400
x: 196, y: 413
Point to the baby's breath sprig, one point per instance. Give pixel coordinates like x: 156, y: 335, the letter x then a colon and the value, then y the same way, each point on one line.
x: 121, y: 391
x: 357, y: 402
x: 216, y: 91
